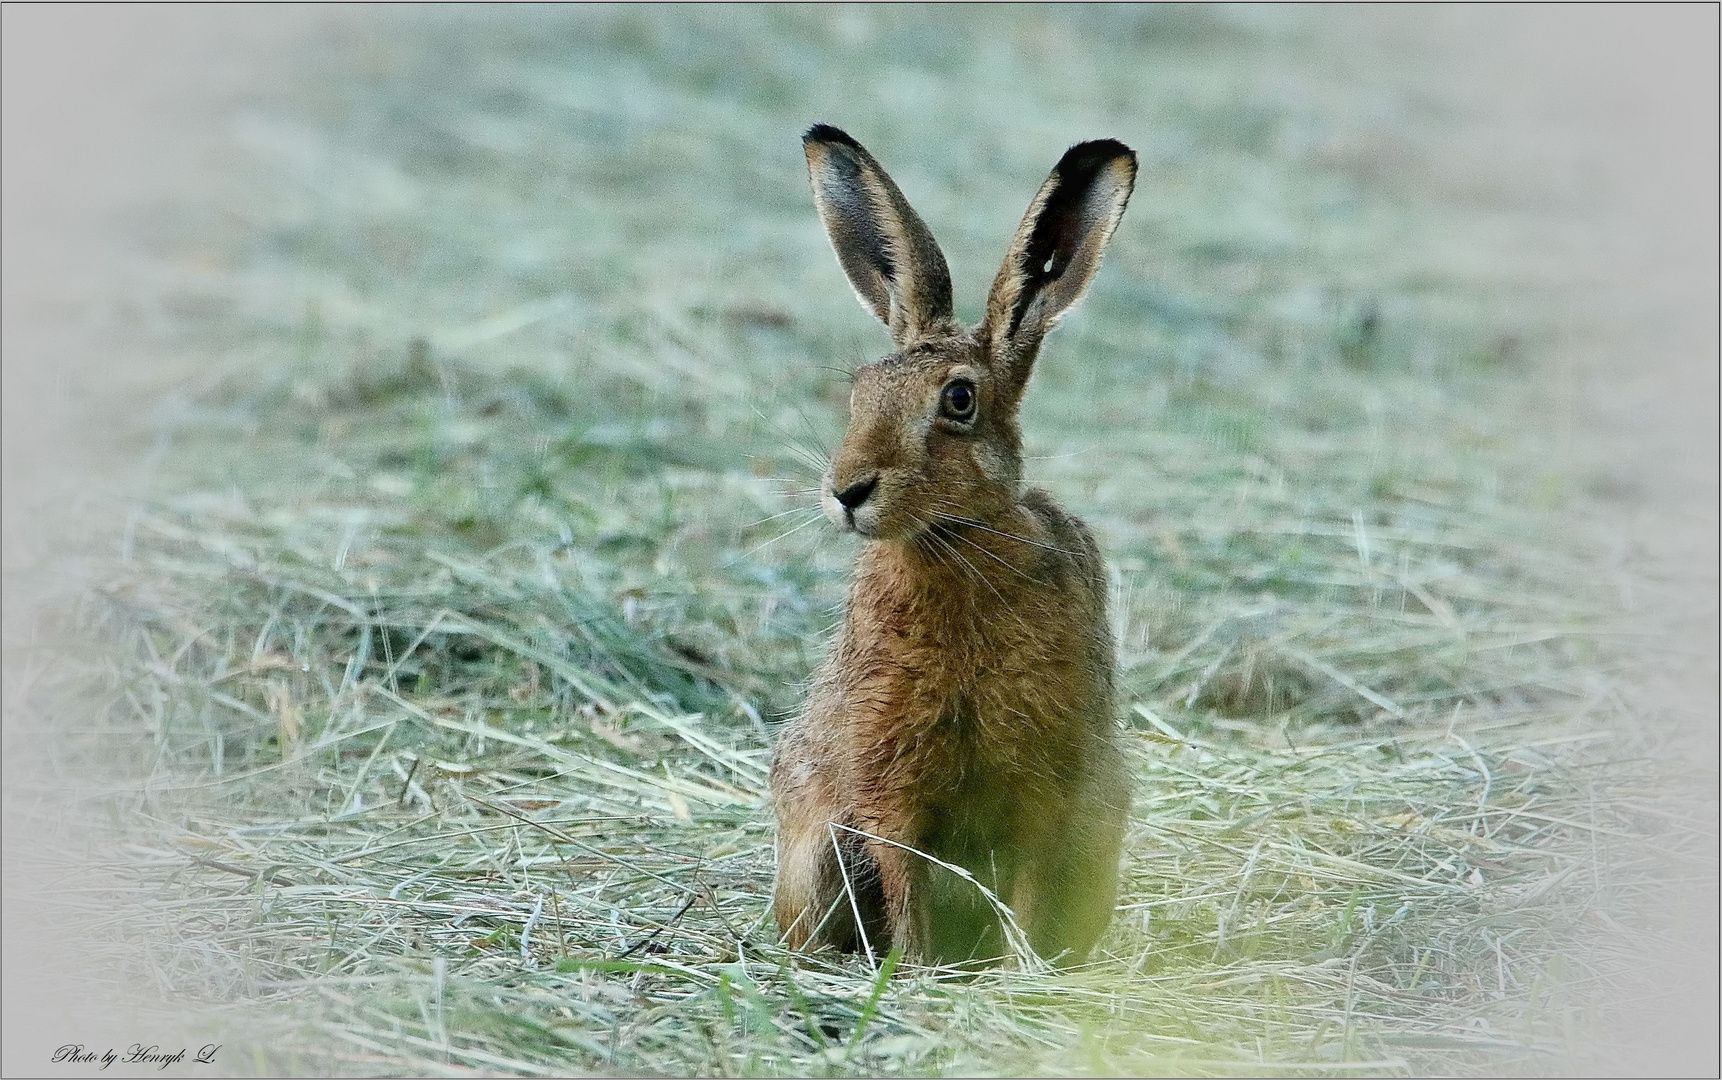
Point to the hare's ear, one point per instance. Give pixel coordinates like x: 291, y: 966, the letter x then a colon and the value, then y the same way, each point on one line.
x: 1057, y: 248
x: 892, y: 260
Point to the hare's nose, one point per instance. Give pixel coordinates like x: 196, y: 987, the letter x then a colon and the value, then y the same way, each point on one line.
x: 856, y: 494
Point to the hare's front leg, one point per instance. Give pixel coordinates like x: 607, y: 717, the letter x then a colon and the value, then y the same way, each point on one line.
x: 810, y: 904
x: 901, y: 877
x: 809, y: 885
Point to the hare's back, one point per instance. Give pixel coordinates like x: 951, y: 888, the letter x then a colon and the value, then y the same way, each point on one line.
x: 1071, y: 542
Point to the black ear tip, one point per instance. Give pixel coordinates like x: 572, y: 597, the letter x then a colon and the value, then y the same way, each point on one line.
x: 1085, y: 159
x: 825, y: 133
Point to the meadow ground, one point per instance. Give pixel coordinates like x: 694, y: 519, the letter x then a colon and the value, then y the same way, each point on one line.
x: 444, y: 558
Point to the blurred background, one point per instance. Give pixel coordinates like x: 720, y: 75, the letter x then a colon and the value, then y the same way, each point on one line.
x: 411, y: 409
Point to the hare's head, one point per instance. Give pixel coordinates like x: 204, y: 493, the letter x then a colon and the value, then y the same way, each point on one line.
x: 933, y: 434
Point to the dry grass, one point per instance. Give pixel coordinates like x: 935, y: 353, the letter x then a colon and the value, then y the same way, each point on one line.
x: 443, y: 666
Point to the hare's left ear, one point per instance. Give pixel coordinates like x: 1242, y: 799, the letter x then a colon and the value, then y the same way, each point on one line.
x: 886, y: 250
x: 1057, y: 249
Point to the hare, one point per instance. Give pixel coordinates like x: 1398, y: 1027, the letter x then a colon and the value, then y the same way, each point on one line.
x: 964, y: 716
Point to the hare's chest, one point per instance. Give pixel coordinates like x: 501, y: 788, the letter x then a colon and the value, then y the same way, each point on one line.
x: 954, y: 703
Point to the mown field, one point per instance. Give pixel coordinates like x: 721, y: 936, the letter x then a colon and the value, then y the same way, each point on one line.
x: 442, y: 662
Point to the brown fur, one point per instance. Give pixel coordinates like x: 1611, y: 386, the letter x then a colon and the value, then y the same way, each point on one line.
x: 966, y: 708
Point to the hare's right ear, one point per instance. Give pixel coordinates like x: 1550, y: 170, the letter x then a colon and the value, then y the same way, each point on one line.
x: 892, y: 260
x: 1057, y: 250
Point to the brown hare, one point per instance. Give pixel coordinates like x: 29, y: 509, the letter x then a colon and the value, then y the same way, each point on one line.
x: 964, y: 717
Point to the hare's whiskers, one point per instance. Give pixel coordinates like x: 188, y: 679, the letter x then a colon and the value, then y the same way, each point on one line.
x: 816, y: 456
x: 812, y: 432
x: 1001, y: 560
x: 784, y: 514
x: 958, y: 536
x: 944, y: 539
x: 809, y: 458
x: 973, y: 524
x: 787, y: 480
x: 813, y: 516
x: 933, y: 547
x: 966, y: 564
x: 846, y: 372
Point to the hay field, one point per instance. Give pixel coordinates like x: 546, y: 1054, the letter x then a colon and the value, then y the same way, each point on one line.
x: 432, y: 678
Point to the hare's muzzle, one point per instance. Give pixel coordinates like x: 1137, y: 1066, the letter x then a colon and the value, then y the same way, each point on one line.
x: 855, y: 494
x: 850, y: 501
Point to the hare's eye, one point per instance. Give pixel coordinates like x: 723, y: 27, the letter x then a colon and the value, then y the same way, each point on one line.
x: 958, y: 400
